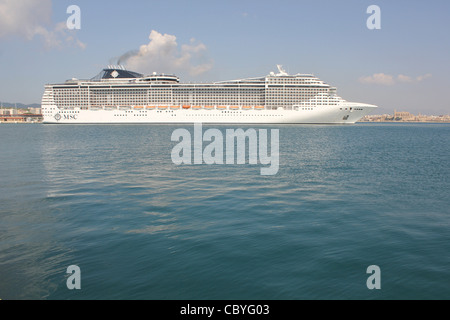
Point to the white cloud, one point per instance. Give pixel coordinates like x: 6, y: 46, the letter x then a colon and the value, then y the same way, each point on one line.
x: 378, y: 78
x: 403, y: 78
x: 23, y: 17
x: 388, y: 80
x: 162, y: 54
x: 425, y: 76
x: 29, y: 19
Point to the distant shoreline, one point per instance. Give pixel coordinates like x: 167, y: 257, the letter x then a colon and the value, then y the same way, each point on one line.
x: 406, y: 117
x: 386, y: 121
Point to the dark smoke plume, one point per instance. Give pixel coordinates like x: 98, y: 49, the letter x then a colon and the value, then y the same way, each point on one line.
x: 123, y: 58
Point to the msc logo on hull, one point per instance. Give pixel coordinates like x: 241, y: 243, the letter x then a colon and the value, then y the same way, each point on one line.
x: 65, y: 117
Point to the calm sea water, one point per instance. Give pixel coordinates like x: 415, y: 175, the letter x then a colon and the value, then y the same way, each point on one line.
x: 109, y: 200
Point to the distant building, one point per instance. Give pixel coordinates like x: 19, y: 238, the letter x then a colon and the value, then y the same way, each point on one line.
x: 403, y: 115
x: 20, y: 118
x: 35, y: 110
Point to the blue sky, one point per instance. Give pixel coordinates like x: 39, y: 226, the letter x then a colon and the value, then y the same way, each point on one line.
x: 403, y: 66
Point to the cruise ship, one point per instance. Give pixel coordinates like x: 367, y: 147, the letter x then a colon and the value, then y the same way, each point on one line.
x: 120, y: 96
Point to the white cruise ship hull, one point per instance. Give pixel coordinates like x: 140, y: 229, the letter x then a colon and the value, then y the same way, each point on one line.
x: 344, y: 114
